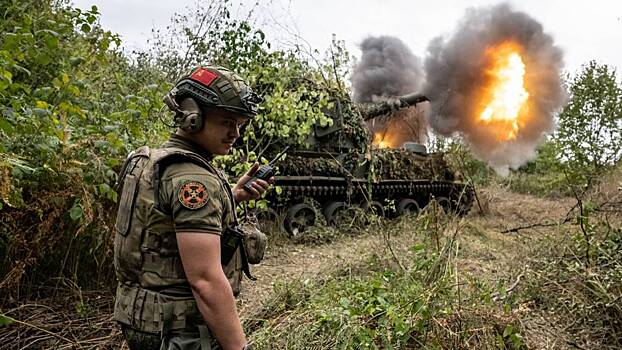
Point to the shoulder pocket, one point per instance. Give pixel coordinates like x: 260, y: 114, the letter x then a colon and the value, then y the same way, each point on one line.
x: 126, y: 205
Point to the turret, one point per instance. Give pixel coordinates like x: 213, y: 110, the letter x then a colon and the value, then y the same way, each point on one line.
x: 348, y: 129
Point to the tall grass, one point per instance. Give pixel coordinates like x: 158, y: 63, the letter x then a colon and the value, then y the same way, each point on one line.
x: 396, y: 298
x: 576, y: 284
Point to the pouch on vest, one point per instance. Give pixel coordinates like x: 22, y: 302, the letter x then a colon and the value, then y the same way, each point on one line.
x: 153, y: 312
x: 230, y: 241
x: 255, y: 243
x: 126, y: 204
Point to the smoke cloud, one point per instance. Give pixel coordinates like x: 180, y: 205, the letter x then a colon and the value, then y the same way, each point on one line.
x: 455, y: 69
x: 388, y: 69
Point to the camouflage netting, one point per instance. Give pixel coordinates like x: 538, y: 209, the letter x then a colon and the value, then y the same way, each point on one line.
x: 399, y: 164
x: 353, y: 128
x: 302, y: 166
x: 387, y: 163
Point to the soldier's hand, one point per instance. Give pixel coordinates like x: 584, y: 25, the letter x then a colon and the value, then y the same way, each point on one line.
x: 259, y: 187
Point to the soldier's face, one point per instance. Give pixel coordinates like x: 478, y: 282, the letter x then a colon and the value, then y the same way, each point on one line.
x: 221, y: 129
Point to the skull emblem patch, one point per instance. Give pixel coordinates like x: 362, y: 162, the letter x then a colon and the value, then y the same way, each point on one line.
x: 192, y: 194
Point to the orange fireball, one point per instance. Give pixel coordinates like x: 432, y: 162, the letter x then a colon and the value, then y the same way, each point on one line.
x: 504, y: 99
x: 379, y: 140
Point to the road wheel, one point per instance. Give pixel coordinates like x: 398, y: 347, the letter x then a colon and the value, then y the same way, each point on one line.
x: 268, y: 220
x: 407, y: 206
x: 445, y: 204
x: 332, y: 211
x: 464, y: 201
x: 373, y: 207
x: 298, y: 218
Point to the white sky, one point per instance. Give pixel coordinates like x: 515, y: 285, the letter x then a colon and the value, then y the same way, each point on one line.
x: 585, y: 30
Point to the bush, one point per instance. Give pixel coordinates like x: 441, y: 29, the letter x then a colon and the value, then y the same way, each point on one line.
x: 71, y: 107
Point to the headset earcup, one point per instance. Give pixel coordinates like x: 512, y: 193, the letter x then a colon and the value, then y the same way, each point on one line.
x: 192, y: 119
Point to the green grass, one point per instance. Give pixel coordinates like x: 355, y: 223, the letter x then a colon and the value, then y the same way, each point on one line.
x: 413, y: 299
x: 542, y: 185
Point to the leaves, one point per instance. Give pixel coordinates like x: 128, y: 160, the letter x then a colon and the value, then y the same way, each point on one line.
x: 76, y: 213
x: 61, y: 79
x: 5, y: 320
x: 590, y: 126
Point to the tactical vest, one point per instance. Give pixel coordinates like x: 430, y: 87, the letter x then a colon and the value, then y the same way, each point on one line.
x: 154, y: 294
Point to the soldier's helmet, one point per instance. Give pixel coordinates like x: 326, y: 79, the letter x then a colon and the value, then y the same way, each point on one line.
x: 214, y: 87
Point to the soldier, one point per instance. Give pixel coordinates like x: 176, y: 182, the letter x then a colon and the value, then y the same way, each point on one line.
x: 177, y: 255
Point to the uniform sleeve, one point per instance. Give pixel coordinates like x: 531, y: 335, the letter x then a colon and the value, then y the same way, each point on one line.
x: 195, y: 198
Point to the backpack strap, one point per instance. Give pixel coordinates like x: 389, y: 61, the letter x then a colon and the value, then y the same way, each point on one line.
x: 130, y: 164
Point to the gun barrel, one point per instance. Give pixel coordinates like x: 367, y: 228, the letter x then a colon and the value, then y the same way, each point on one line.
x: 412, y: 99
x: 373, y: 110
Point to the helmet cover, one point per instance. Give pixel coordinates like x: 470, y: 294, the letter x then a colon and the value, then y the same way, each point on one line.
x: 217, y: 87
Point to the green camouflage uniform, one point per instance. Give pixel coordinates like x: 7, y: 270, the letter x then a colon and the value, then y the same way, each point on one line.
x: 167, y: 190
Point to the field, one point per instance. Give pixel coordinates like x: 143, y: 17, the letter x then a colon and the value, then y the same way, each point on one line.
x: 506, y: 276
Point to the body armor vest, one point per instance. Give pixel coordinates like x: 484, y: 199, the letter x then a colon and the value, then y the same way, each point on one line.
x: 153, y: 293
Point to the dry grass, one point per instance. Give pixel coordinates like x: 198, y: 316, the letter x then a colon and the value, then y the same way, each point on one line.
x: 40, y: 242
x: 64, y: 322
x: 495, y: 257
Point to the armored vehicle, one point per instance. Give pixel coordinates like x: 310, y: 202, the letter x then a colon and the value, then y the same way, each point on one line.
x: 341, y: 168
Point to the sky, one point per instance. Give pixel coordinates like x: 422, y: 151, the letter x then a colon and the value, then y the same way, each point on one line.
x: 585, y: 30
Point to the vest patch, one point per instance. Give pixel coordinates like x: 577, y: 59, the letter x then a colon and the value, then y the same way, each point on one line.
x: 192, y: 194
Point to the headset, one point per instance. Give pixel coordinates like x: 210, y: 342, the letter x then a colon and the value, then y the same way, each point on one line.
x: 188, y: 114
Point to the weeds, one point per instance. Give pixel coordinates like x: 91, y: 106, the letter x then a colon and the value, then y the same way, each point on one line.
x: 578, y: 280
x: 400, y: 298
x: 584, y: 297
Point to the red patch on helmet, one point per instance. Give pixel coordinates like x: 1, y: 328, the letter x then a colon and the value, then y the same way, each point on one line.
x: 204, y: 76
x: 192, y: 195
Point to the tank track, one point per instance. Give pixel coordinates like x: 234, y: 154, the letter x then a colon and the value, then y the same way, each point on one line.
x: 326, y: 191
x: 389, y: 190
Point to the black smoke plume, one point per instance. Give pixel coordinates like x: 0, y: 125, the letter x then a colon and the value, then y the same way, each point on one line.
x: 388, y: 69
x: 455, y: 68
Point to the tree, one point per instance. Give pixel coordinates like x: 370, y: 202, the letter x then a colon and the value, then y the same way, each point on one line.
x: 294, y: 88
x: 590, y: 139
x: 590, y: 126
